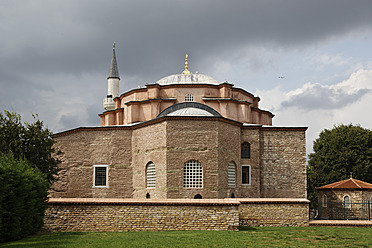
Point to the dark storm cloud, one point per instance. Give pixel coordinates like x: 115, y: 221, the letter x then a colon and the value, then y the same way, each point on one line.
x: 44, y: 39
x: 76, y: 36
x: 317, y: 97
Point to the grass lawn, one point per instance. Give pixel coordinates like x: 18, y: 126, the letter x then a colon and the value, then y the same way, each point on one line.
x: 246, y: 237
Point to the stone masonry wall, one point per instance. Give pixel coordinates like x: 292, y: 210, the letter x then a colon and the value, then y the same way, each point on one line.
x: 252, y: 136
x: 117, y: 215
x: 278, y: 159
x: 273, y: 212
x: 283, y: 163
x: 335, y: 209
x: 228, y: 151
x: 82, y: 150
x: 149, y: 145
x: 192, y: 140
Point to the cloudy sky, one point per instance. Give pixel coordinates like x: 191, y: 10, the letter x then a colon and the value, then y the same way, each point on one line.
x: 310, y: 62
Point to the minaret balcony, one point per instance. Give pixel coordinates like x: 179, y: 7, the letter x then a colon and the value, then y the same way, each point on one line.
x: 108, y: 103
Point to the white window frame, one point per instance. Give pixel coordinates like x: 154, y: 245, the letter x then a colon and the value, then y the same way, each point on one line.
x: 231, y: 175
x: 249, y: 176
x: 150, y: 176
x: 94, y: 176
x: 324, y: 201
x: 346, y: 204
x: 189, y: 97
x: 193, y: 174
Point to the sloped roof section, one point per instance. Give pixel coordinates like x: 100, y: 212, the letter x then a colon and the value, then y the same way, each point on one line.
x: 348, y: 184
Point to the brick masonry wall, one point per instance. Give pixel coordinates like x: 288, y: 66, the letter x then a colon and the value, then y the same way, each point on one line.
x: 116, y: 215
x: 273, y: 212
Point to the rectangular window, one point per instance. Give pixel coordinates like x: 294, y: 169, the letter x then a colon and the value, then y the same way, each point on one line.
x: 100, y: 176
x: 246, y: 174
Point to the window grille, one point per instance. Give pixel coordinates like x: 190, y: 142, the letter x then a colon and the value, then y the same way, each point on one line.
x: 246, y: 150
x: 324, y: 203
x: 151, y: 175
x: 246, y: 174
x: 193, y: 175
x: 189, y: 98
x: 100, y: 176
x: 231, y: 175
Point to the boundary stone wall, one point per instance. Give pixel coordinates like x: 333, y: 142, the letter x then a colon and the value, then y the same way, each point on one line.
x: 117, y: 215
x: 273, y: 212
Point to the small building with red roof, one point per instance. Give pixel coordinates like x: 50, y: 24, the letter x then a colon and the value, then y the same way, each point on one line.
x: 346, y: 199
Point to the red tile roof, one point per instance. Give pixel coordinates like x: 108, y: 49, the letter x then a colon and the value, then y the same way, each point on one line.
x: 348, y: 184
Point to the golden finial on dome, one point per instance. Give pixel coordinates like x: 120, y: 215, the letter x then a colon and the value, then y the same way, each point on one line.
x: 186, y: 71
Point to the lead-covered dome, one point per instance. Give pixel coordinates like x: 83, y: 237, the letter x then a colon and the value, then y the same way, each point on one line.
x: 187, y: 79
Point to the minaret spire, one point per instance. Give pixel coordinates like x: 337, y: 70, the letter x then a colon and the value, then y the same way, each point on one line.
x: 114, y: 72
x: 113, y: 83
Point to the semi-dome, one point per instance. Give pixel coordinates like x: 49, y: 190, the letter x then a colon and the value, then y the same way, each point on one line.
x: 189, y: 109
x: 187, y: 79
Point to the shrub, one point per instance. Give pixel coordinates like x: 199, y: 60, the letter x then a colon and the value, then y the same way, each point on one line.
x: 23, y: 195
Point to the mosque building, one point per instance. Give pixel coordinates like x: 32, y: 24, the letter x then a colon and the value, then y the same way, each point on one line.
x: 185, y: 136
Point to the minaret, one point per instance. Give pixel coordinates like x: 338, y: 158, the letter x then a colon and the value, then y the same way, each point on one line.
x: 113, y: 83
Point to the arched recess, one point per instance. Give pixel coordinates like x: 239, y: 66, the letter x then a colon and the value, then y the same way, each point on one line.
x: 346, y: 201
x: 324, y: 200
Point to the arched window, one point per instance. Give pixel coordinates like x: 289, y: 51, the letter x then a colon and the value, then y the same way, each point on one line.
x: 192, y: 174
x: 150, y: 175
x: 147, y: 196
x: 189, y: 98
x: 198, y: 196
x: 347, y: 202
x: 246, y: 150
x: 324, y: 201
x: 232, y: 195
x: 231, y: 175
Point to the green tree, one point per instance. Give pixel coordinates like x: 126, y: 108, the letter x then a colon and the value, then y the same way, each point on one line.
x: 23, y: 194
x: 339, y: 153
x: 30, y: 141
